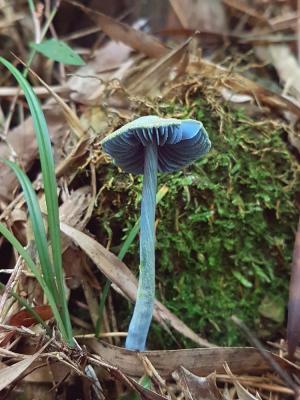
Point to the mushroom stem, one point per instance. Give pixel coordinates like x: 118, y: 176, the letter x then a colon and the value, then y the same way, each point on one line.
x: 143, y: 310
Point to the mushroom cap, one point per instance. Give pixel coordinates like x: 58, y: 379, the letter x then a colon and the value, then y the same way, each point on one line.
x: 179, y: 143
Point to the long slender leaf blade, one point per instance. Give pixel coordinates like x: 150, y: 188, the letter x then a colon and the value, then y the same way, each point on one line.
x: 37, y: 226
x: 47, y: 163
x: 48, y: 173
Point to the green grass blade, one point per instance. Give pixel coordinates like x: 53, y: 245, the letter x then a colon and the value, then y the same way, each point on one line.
x: 38, y: 228
x: 25, y: 255
x: 125, y: 247
x: 50, y: 187
x: 129, y: 239
x: 31, y: 7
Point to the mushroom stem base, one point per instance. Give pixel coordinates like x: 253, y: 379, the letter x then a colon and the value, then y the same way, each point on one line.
x: 143, y: 310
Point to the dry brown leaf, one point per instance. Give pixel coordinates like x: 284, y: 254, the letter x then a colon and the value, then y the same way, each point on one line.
x: 9, y: 374
x: 148, y: 83
x: 74, y: 207
x: 243, y: 394
x: 127, y: 380
x: 77, y: 157
x: 19, y: 138
x: 239, y: 84
x: 268, y: 382
x: 286, y: 21
x: 73, y: 211
x: 120, y: 32
x: 242, y: 360
x: 118, y: 273
x: 92, y: 301
x: 245, y: 8
x: 24, y: 319
x: 71, y: 118
x: 72, y: 264
x: 201, y: 15
x: 40, y: 375
x: 109, y: 62
x: 196, y: 387
x: 23, y: 137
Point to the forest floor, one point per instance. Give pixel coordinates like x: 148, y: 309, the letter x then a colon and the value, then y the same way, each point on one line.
x: 225, y: 226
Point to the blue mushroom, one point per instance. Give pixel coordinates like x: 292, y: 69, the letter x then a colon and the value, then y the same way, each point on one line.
x: 146, y: 146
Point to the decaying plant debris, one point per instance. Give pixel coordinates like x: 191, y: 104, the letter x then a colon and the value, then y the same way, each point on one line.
x: 127, y: 75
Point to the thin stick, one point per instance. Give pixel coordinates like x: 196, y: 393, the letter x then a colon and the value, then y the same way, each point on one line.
x: 38, y: 90
x: 259, y: 385
x: 101, y: 335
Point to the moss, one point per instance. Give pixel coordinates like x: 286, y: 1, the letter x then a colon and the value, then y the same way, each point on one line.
x: 225, y: 229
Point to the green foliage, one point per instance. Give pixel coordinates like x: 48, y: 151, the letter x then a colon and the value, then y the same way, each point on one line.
x: 51, y: 279
x: 225, y: 229
x: 58, y: 50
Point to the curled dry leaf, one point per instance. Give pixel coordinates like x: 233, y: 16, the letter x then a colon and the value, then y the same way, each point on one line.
x: 243, y: 394
x: 196, y: 387
x: 242, y: 360
x: 24, y: 318
x: 118, y: 273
